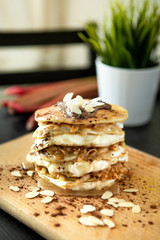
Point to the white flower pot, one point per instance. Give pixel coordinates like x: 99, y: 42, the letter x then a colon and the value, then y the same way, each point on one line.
x: 133, y: 89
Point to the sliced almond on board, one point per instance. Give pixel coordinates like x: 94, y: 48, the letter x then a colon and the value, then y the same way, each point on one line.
x: 14, y: 188
x: 30, y: 173
x: 115, y: 205
x: 136, y: 209
x: 31, y: 194
x: 88, y: 208
x: 125, y: 204
x: 16, y: 174
x: 48, y: 193
x: 91, y: 221
x: 47, y: 200
x: 109, y: 223
x: 107, y: 212
x: 33, y: 189
x: 107, y: 195
x: 130, y: 190
x: 116, y: 200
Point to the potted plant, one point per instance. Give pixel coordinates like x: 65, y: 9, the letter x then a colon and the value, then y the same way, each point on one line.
x: 127, y: 64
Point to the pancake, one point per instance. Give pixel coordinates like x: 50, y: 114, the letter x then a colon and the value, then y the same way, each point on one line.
x: 55, y: 115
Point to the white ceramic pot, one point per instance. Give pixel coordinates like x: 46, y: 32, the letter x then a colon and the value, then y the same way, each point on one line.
x: 133, y: 89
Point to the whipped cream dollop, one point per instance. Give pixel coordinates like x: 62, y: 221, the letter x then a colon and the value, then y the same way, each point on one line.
x: 81, y: 108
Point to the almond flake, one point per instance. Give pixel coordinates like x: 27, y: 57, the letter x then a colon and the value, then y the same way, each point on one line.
x: 91, y: 221
x: 14, y: 188
x: 116, y: 200
x: 16, y: 174
x: 47, y: 193
x: 67, y: 97
x: 107, y: 212
x: 31, y: 194
x: 89, y: 108
x: 75, y: 109
x: 47, y: 200
x: 130, y: 190
x: 107, y: 195
x: 30, y: 173
x: 112, y: 204
x: 79, y: 100
x: 33, y: 189
x: 95, y: 104
x: 87, y: 208
x: 125, y: 204
x: 82, y: 210
x: 109, y: 223
x: 136, y: 209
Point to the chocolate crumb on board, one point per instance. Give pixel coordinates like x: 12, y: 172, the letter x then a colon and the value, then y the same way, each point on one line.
x: 57, y: 225
x: 36, y: 214
x: 150, y: 223
x: 153, y: 206
x: 124, y: 225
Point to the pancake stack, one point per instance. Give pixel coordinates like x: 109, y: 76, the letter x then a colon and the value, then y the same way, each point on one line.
x: 79, y: 145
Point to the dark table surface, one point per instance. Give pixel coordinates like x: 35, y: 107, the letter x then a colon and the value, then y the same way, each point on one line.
x: 145, y: 138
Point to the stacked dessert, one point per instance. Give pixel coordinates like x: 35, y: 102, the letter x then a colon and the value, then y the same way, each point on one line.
x: 79, y: 144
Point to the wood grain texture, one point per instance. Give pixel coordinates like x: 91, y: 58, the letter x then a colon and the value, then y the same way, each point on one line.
x: 59, y: 219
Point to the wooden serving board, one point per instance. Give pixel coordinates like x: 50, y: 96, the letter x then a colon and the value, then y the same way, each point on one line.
x: 59, y: 219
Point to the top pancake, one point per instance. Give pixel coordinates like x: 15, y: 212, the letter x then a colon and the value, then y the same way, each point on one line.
x: 55, y: 115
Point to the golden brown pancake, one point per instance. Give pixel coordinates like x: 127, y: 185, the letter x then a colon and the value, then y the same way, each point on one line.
x: 54, y: 114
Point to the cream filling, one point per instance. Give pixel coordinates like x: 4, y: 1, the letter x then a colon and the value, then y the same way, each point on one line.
x: 78, y: 140
x: 97, y: 185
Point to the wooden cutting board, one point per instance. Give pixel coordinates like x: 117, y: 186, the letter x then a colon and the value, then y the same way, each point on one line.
x: 59, y: 219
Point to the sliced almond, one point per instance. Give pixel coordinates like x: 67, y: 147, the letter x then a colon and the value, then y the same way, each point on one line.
x: 14, y: 188
x: 96, y: 99
x: 75, y: 109
x: 109, y: 223
x: 47, y: 200
x: 95, y: 104
x: 115, y: 205
x: 130, y: 190
x: 16, y: 174
x: 107, y: 212
x: 48, y: 193
x: 31, y: 194
x: 79, y: 100
x: 67, y: 97
x: 107, y: 195
x: 136, y: 209
x: 91, y: 221
x: 96, y: 220
x: 33, y: 189
x: 30, y: 173
x: 125, y: 204
x: 116, y: 200
x: 85, y: 221
x: 82, y: 210
x: 89, y: 108
x: 88, y: 208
